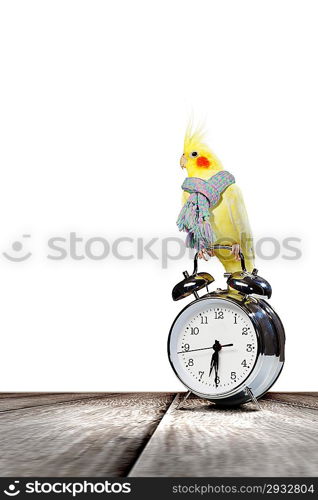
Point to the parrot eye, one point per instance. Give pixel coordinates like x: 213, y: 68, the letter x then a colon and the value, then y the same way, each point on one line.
x: 194, y: 154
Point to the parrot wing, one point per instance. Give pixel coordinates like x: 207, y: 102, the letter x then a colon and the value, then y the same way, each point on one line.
x: 240, y: 222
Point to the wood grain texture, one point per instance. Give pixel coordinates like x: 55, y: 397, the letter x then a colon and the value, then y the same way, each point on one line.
x: 202, y: 440
x: 14, y: 401
x: 301, y: 399
x: 91, y: 437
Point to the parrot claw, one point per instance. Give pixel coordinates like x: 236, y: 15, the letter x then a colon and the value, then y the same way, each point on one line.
x: 205, y: 254
x: 236, y: 249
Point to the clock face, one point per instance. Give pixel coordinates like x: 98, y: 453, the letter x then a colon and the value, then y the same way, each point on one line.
x: 213, y: 346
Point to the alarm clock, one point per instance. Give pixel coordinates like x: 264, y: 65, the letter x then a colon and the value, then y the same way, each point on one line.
x: 228, y: 345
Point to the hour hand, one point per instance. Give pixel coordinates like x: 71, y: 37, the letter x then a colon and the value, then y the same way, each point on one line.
x: 216, y: 379
x: 213, y: 362
x: 215, y: 359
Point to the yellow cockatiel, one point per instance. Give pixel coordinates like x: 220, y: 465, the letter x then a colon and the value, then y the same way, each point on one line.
x: 228, y: 219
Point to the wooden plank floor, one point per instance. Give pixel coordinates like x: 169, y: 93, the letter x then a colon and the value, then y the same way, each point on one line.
x: 144, y: 434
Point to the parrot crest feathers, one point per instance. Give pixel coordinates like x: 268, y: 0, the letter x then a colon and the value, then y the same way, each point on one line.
x: 194, y: 139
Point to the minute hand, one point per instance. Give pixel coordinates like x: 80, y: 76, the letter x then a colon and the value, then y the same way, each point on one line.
x: 204, y: 348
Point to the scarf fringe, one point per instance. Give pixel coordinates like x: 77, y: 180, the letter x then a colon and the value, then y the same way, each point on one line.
x: 198, y: 227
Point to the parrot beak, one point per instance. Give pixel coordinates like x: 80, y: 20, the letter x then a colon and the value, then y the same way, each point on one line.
x: 183, y: 161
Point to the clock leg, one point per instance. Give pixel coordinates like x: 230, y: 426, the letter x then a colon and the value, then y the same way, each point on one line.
x: 249, y: 392
x: 183, y: 400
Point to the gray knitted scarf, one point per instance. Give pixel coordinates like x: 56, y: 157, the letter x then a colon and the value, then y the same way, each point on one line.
x: 195, y: 214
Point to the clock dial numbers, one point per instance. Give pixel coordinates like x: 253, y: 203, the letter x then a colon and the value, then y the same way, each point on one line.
x: 194, y: 330
x: 218, y: 314
x: 217, y: 348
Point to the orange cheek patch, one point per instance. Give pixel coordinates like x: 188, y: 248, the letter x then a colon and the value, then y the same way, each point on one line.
x: 202, y: 161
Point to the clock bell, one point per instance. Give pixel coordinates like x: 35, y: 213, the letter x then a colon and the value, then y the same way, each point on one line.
x: 243, y: 282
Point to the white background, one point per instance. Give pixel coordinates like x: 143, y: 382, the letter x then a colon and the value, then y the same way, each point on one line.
x: 95, y: 98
